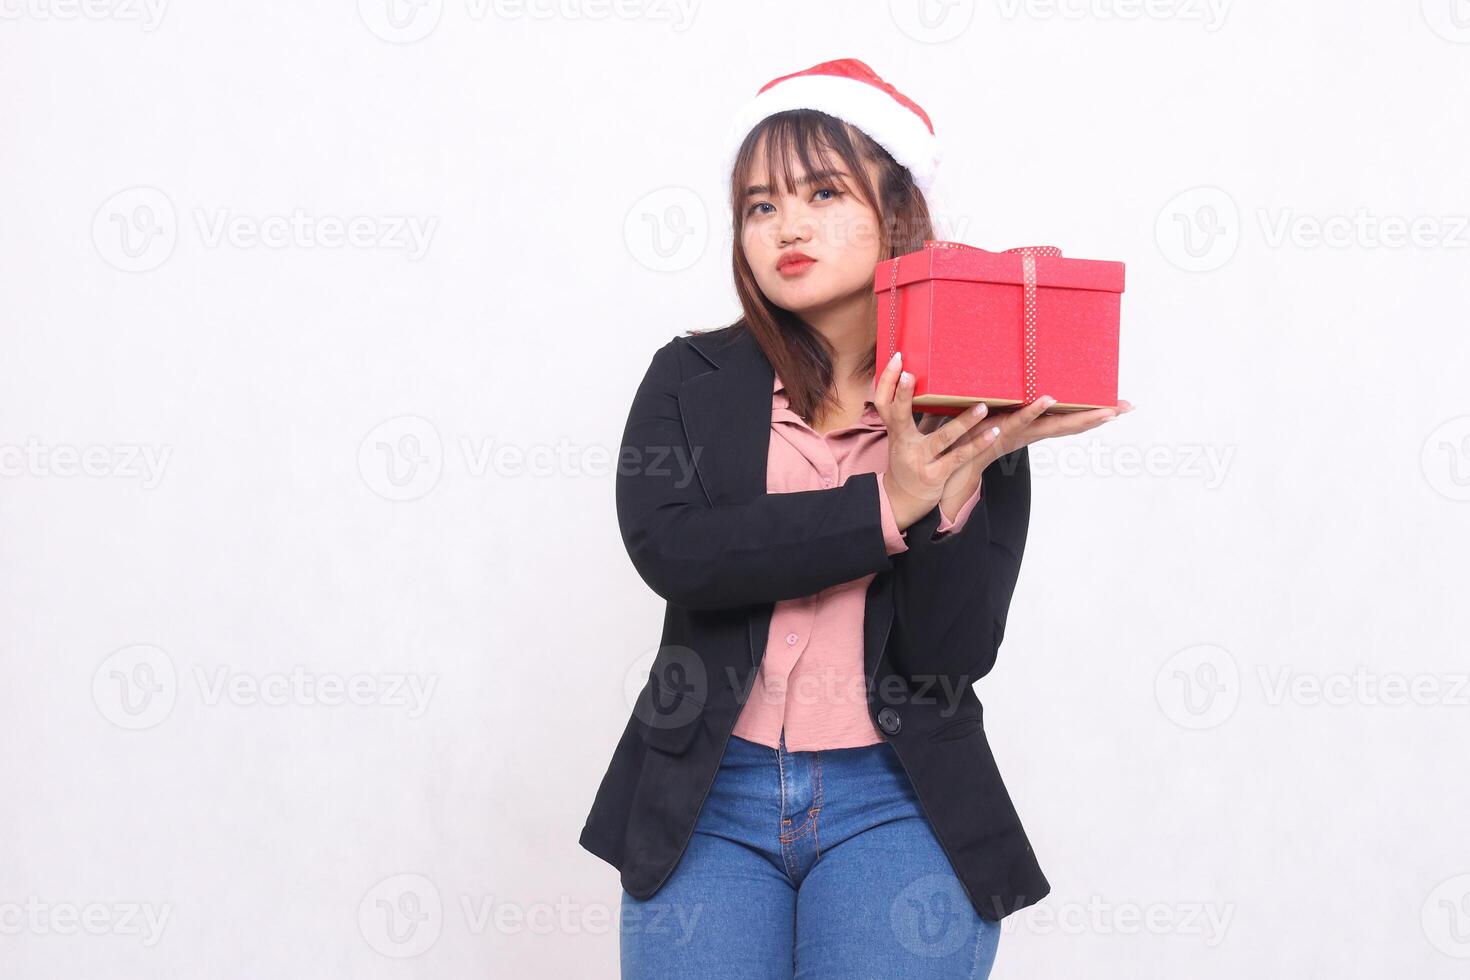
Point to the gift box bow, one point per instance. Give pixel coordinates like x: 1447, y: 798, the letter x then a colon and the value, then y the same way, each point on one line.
x: 1028, y: 254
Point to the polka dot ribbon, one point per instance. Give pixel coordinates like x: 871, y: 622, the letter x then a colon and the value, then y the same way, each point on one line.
x: 1028, y: 254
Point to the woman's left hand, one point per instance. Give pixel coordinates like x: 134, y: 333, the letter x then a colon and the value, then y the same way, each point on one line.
x: 1018, y: 427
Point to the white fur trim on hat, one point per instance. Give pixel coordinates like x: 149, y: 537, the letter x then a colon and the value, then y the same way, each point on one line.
x: 891, y: 124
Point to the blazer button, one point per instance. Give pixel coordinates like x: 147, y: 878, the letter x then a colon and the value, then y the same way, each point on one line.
x: 889, y: 721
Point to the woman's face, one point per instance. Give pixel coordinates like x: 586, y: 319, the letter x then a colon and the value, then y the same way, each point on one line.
x: 833, y: 227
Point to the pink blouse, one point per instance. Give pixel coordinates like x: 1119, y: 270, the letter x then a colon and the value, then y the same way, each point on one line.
x: 811, y: 680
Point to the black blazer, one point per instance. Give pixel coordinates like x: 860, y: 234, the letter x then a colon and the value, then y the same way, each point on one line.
x: 706, y: 536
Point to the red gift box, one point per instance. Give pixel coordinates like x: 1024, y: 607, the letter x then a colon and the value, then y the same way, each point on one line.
x: 1001, y: 327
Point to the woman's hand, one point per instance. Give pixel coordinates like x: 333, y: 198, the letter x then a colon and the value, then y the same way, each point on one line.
x: 1018, y: 427
x: 921, y: 464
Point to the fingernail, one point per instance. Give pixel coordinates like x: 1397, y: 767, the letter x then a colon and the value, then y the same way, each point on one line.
x: 897, y: 358
x: 979, y: 408
x: 906, y: 378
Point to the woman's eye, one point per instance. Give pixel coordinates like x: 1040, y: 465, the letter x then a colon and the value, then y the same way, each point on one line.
x: 834, y: 192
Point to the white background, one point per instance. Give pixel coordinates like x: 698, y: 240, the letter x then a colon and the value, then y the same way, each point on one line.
x: 1231, y: 703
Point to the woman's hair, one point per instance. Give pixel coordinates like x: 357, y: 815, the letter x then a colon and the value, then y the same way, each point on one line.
x: 799, y: 354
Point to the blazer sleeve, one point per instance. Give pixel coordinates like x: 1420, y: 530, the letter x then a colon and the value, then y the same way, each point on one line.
x: 701, y: 556
x: 952, y: 593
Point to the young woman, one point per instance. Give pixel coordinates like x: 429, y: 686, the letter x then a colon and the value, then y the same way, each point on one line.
x: 804, y: 788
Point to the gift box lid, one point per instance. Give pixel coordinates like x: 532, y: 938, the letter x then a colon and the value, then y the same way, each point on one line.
x: 966, y: 263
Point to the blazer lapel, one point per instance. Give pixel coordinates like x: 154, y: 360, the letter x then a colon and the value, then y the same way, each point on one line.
x: 727, y: 418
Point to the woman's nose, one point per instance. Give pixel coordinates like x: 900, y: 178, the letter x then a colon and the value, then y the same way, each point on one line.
x: 795, y: 224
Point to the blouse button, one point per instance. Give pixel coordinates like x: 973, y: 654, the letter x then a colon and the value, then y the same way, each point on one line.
x: 791, y: 639
x: 826, y: 481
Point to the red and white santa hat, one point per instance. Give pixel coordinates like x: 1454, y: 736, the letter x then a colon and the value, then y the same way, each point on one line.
x: 853, y: 92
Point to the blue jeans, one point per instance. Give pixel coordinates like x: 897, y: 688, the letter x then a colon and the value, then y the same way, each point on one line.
x: 808, y: 865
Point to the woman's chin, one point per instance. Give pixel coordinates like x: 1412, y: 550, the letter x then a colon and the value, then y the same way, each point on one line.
x: 814, y: 302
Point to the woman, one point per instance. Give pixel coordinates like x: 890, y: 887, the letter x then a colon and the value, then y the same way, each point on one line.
x: 804, y: 787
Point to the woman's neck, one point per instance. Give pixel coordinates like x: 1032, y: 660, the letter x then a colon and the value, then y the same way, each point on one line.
x: 848, y: 326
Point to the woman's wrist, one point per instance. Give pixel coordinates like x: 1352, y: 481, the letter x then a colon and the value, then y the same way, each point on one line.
x: 957, y: 492
x: 907, y: 507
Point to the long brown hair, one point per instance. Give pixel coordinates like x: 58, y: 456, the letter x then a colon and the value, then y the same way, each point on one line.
x: 799, y: 354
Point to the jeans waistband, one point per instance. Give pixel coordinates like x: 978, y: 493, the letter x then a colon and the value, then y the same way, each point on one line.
x: 744, y: 749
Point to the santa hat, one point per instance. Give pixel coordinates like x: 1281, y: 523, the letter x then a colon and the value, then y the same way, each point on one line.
x: 854, y: 93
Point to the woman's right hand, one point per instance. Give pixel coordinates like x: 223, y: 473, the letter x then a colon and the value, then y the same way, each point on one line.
x: 918, y: 466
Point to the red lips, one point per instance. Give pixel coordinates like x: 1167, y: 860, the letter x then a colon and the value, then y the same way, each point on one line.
x: 794, y: 262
